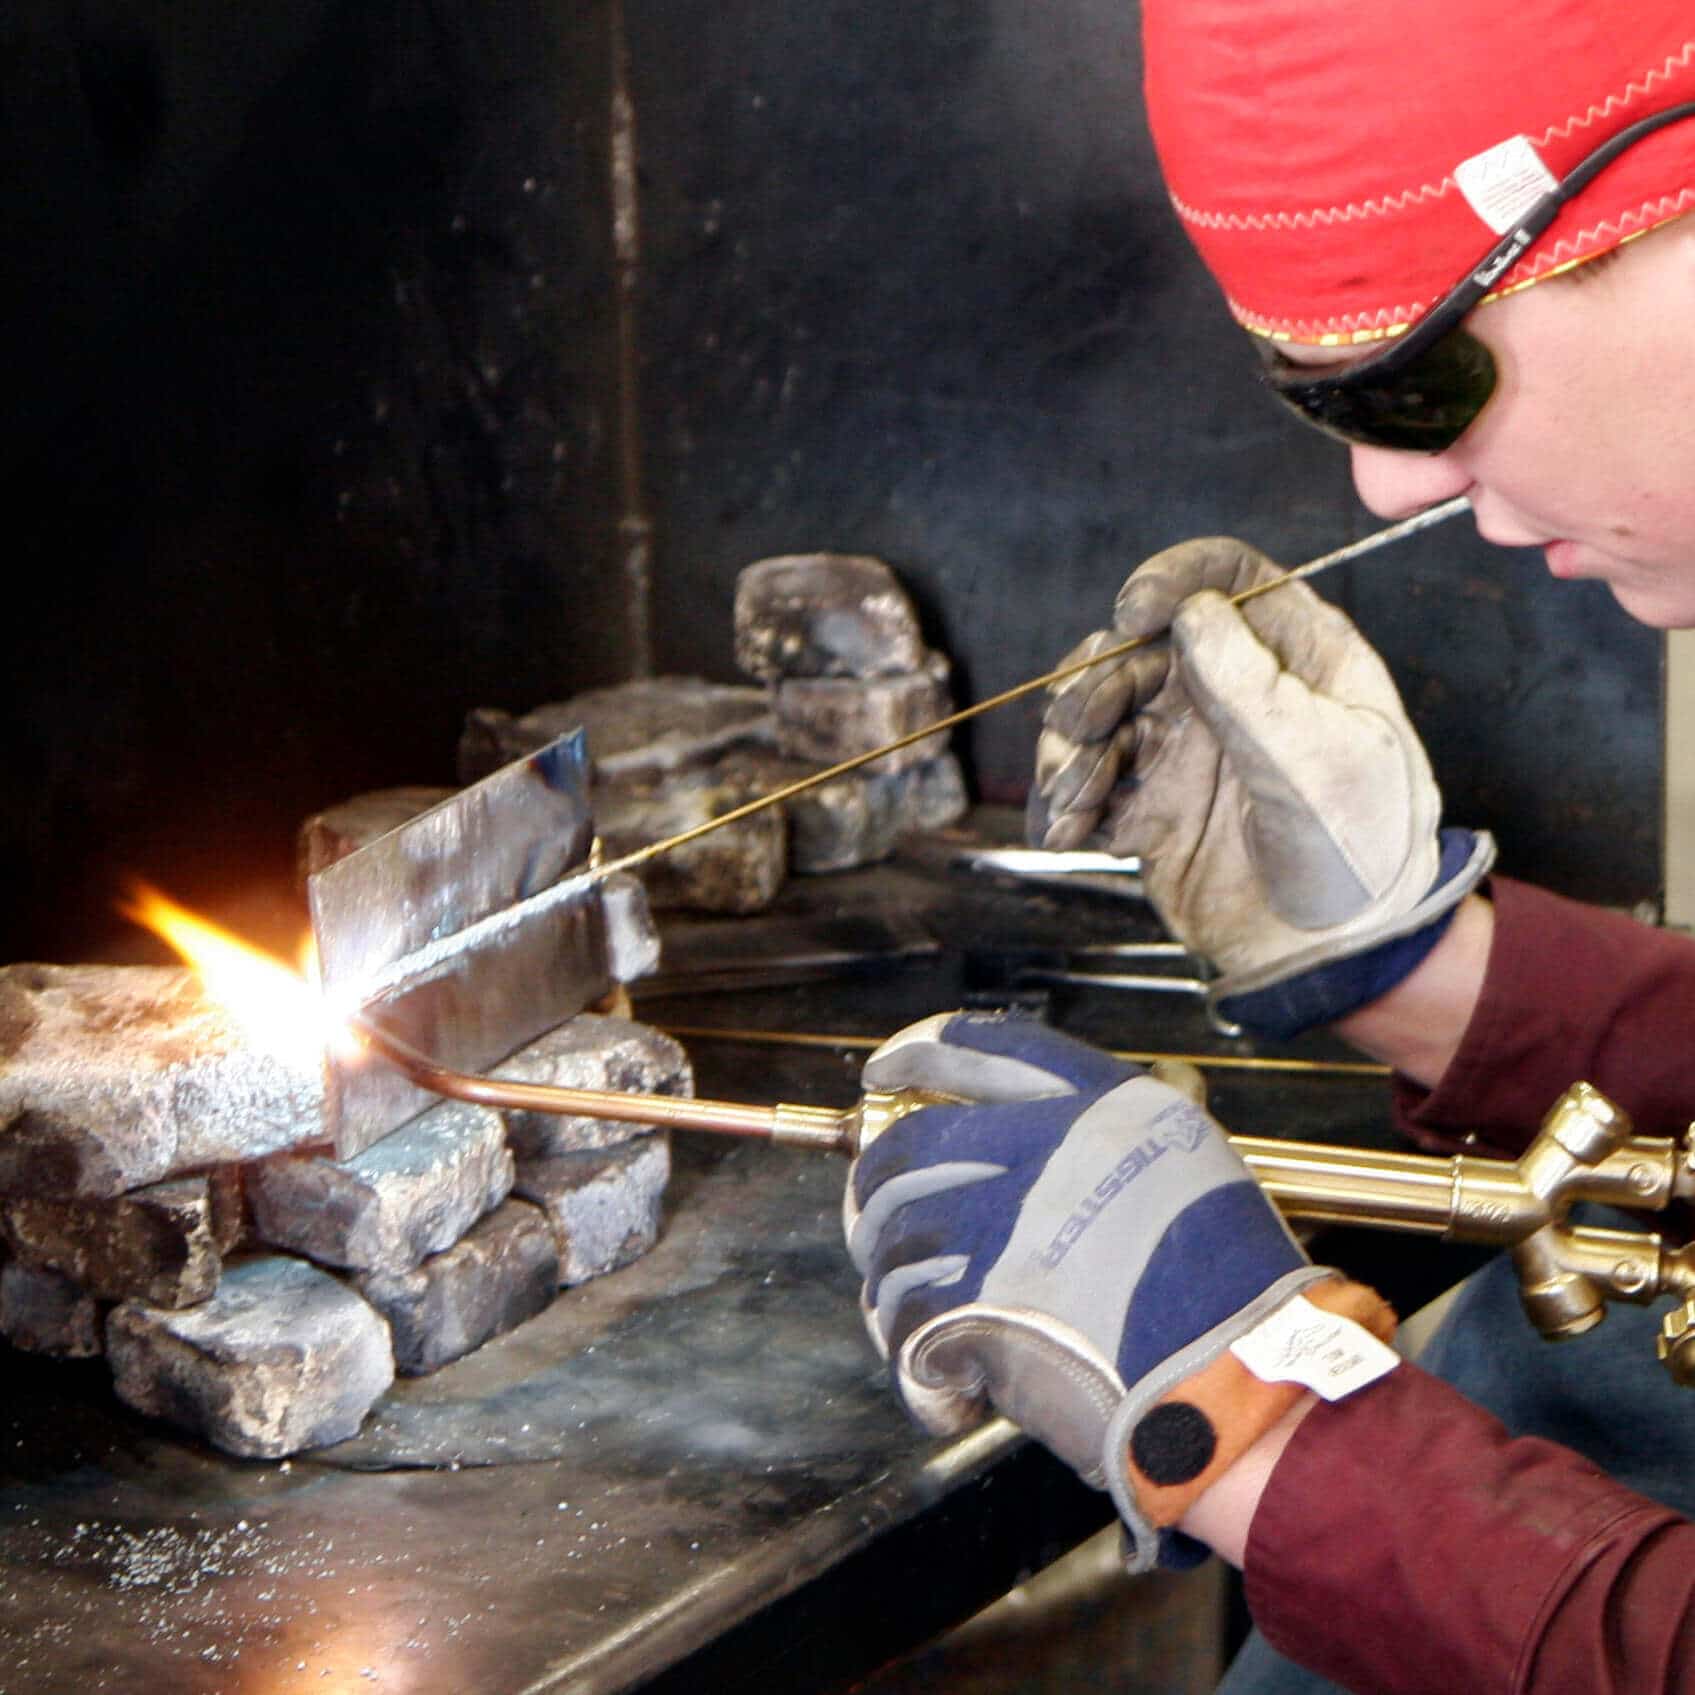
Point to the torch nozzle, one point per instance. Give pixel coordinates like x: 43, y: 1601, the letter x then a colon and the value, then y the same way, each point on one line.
x: 824, y: 1128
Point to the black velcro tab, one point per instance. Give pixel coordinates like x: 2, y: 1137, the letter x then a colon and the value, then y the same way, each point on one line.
x: 1173, y: 1443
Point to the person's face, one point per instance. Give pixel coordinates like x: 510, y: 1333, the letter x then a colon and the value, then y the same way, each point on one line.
x: 1587, y: 447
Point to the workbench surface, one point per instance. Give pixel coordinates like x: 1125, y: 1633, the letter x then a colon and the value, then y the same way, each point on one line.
x: 688, y: 1474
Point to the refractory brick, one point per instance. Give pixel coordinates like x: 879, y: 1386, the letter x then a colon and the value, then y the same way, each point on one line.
x: 44, y: 1312
x: 857, y: 818
x: 604, y: 1204
x: 412, y: 1194
x: 830, y: 719
x: 824, y: 615
x: 505, y: 1270
x: 284, y: 1357
x: 733, y: 868
x: 116, y: 1076
x: 592, y: 1052
x: 651, y: 727
x: 157, y: 1244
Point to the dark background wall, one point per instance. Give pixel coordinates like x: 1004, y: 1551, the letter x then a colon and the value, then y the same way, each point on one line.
x: 312, y: 411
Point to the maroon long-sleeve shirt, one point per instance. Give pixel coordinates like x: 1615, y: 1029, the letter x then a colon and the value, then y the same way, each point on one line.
x: 1405, y: 1541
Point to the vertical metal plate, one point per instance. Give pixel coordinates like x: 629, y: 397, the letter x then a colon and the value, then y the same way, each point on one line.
x: 462, y: 931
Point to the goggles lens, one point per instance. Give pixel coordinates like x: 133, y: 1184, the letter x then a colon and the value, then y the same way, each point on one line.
x: 1413, y: 399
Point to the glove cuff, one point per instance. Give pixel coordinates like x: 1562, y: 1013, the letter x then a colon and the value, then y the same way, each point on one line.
x: 1310, y: 990
x: 1178, y: 1431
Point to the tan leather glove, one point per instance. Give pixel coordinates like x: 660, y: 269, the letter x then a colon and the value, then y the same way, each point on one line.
x: 1261, y: 766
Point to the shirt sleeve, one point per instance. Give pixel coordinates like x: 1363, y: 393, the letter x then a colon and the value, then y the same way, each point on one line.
x: 1406, y: 1543
x: 1572, y: 993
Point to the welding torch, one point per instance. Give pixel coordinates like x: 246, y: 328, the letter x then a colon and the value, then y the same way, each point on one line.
x: 823, y: 1129
x: 1466, y: 1196
x: 1585, y: 1151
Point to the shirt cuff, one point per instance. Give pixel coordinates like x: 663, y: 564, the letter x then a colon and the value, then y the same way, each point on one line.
x: 1333, y: 990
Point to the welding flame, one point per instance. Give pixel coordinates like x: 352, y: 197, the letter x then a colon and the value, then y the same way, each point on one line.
x: 279, y: 1008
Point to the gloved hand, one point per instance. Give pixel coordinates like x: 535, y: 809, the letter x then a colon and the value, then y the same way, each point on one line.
x: 1078, y: 1245
x: 1261, y: 766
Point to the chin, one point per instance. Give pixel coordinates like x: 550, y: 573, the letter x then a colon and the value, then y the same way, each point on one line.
x: 1658, y: 609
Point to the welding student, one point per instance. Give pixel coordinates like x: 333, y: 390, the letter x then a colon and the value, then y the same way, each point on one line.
x: 1079, y: 1246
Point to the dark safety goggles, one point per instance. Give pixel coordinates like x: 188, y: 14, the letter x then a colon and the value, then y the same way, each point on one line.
x: 1420, y: 392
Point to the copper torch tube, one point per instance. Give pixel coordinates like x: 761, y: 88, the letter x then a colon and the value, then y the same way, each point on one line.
x: 805, y: 1126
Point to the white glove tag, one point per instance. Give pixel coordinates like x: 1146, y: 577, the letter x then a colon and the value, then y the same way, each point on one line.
x: 1301, y: 1343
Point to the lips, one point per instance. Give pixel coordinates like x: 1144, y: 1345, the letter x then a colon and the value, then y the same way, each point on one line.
x: 1503, y: 535
x: 1560, y: 553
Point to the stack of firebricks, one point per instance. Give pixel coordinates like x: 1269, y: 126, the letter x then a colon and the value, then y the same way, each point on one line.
x: 167, y: 1197
x: 842, y: 668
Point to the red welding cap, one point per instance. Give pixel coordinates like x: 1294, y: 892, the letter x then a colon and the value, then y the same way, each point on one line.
x: 1340, y: 164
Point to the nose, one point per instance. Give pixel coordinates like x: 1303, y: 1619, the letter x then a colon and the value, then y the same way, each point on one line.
x: 1395, y: 485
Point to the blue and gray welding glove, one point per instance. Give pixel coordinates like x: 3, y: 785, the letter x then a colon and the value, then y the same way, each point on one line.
x: 1261, y: 766
x: 1077, y: 1245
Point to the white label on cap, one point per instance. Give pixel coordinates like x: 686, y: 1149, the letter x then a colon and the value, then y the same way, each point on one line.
x: 1503, y: 182
x: 1301, y: 1343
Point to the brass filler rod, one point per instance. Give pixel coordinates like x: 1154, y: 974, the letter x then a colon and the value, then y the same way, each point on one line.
x: 1137, y: 1056
x: 1339, y: 556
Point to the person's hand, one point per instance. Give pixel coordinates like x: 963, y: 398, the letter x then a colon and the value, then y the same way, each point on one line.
x: 1078, y: 1245
x: 1261, y: 766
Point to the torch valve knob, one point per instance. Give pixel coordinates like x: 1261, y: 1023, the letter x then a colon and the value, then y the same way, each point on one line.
x: 1676, y: 1342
